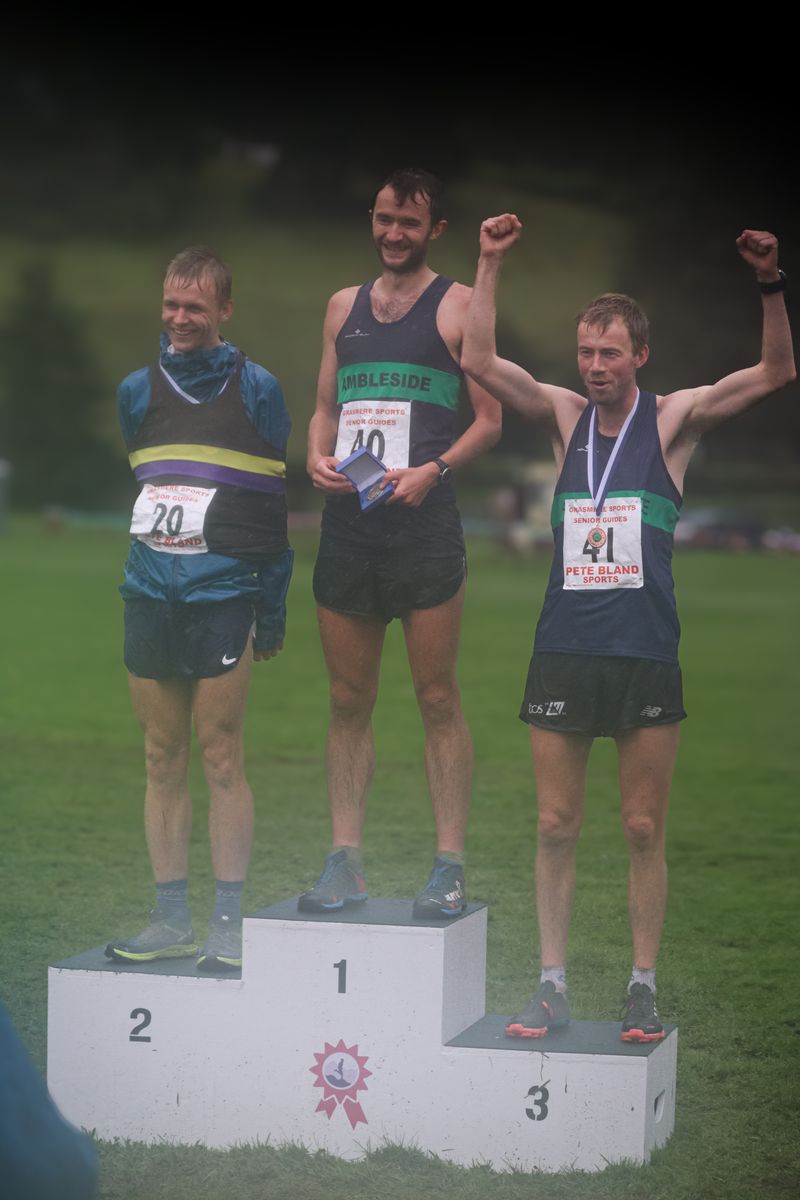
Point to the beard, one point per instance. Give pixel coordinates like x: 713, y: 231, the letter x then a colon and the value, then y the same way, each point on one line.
x: 415, y: 257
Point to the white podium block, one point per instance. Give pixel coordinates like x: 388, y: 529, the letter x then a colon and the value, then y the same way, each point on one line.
x: 577, y: 1098
x: 142, y: 1052
x: 347, y: 1031
x: 370, y: 967
x: 383, y: 988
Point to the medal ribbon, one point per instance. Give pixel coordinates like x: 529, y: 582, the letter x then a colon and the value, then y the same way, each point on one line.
x: 599, y: 496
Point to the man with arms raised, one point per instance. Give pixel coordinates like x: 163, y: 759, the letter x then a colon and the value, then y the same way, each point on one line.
x: 605, y: 659
x: 390, y: 381
x: 206, y: 431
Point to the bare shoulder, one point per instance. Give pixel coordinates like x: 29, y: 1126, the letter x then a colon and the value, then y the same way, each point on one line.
x: 339, y: 307
x: 455, y: 304
x: 565, y: 399
x: 458, y: 294
x: 673, y: 412
x: 567, y: 407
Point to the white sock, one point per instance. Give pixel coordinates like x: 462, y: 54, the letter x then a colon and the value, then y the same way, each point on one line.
x: 645, y: 975
x: 555, y: 975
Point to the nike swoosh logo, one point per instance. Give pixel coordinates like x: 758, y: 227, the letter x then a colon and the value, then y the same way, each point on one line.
x: 226, y: 662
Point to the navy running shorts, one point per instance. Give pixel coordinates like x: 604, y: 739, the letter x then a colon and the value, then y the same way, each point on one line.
x: 390, y: 560
x: 186, y: 641
x: 601, y: 695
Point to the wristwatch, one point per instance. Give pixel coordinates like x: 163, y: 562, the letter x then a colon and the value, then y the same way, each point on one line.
x: 444, y: 470
x: 777, y: 285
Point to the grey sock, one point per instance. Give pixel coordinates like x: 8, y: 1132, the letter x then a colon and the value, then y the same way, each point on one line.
x: 353, y: 857
x: 450, y: 856
x: 645, y: 975
x: 556, y: 976
x: 229, y: 900
x: 172, y: 902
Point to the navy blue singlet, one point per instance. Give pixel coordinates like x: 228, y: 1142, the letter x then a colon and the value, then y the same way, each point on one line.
x: 599, y: 616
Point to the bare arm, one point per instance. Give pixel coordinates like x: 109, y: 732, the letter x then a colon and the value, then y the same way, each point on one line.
x: 685, y: 416
x: 705, y: 407
x: 320, y: 463
x: 508, y: 382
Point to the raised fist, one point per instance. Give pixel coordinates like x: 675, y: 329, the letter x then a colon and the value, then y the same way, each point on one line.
x: 760, y: 250
x: 498, y: 234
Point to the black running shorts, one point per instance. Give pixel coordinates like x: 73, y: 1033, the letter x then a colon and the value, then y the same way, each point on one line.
x: 186, y: 641
x: 390, y: 560
x: 601, y: 695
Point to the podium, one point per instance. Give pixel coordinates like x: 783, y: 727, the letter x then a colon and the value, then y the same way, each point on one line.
x: 343, y: 1032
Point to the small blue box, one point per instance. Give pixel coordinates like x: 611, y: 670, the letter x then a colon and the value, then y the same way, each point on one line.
x: 365, y: 472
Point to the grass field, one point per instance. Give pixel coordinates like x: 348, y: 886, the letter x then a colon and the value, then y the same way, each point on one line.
x: 75, y: 868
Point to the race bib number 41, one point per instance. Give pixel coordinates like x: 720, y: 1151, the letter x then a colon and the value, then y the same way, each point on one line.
x: 380, y: 426
x: 170, y: 517
x: 604, y: 552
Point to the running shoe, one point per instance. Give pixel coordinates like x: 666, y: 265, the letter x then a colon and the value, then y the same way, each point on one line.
x: 338, y: 885
x: 640, y: 1021
x: 443, y: 894
x: 222, y: 949
x: 159, y: 940
x: 547, y: 1010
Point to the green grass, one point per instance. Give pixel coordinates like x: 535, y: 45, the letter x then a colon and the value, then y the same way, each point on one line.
x: 75, y: 868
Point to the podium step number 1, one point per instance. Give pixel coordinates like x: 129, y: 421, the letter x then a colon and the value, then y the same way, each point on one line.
x: 343, y: 1032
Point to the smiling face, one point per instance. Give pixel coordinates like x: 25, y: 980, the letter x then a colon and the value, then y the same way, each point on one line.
x: 401, y: 232
x: 608, y: 364
x: 192, y: 313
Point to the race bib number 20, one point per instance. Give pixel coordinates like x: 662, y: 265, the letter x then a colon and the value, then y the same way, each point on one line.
x: 604, y: 552
x: 171, y: 517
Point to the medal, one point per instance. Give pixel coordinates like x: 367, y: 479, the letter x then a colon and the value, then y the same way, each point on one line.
x: 596, y: 538
x: 599, y: 495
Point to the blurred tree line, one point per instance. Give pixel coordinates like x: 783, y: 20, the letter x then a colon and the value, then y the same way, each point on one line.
x: 94, y: 152
x: 51, y: 392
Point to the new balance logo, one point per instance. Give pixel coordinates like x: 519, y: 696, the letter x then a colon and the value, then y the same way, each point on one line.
x: 555, y: 708
x: 582, y: 449
x: 650, y: 710
x: 356, y: 333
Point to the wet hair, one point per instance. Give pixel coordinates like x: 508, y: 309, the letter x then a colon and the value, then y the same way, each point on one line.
x: 409, y: 183
x: 197, y: 264
x: 602, y: 311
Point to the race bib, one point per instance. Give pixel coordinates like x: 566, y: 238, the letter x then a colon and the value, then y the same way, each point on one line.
x: 381, y: 426
x: 170, y: 517
x: 604, y: 552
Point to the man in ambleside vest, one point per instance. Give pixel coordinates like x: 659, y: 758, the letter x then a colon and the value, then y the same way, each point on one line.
x: 205, y: 593
x: 390, y: 382
x: 605, y: 661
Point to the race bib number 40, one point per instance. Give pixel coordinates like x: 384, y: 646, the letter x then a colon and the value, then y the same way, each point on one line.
x: 170, y: 517
x: 381, y: 426
x: 604, y: 552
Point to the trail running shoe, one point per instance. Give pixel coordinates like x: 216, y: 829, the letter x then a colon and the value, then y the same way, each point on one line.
x: 159, y: 940
x: 547, y: 1010
x: 222, y: 949
x: 338, y: 885
x: 640, y: 1021
x: 443, y: 894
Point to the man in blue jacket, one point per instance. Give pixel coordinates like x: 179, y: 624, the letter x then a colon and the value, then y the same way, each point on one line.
x: 205, y: 588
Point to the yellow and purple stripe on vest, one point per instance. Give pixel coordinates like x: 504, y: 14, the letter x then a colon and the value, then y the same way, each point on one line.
x: 211, y: 463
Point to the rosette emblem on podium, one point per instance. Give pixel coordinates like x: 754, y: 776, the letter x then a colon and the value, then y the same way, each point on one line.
x: 341, y: 1071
